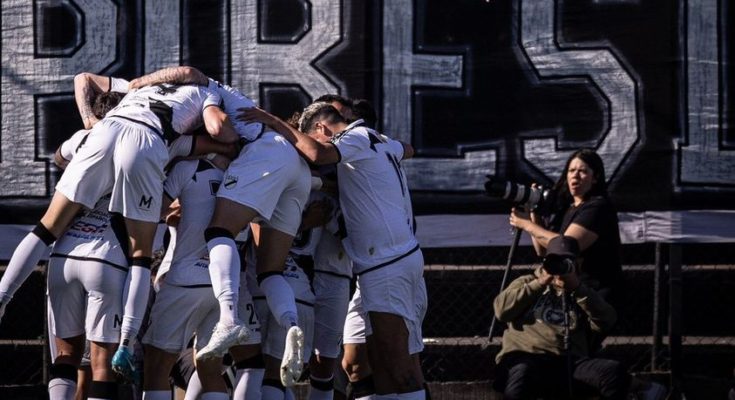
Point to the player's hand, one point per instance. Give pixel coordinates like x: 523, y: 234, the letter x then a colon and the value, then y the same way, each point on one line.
x: 317, y: 213
x: 136, y: 84
x: 173, y: 215
x: 256, y: 114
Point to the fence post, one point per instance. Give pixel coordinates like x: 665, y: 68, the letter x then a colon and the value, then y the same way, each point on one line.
x: 658, y: 320
x: 675, y: 317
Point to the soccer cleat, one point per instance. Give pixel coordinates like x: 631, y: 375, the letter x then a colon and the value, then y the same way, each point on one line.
x: 123, y: 363
x: 292, y: 362
x: 652, y: 391
x: 224, y: 337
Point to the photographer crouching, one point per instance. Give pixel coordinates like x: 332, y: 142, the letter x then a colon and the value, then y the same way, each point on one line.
x: 550, y: 315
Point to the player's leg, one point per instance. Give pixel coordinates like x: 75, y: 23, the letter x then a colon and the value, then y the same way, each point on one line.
x: 29, y: 251
x: 331, y: 295
x: 393, y: 297
x: 250, y: 369
x: 355, y: 360
x: 103, y: 385
x: 156, y: 367
x: 138, y: 161
x: 247, y: 358
x: 228, y: 220
x: 63, y: 372
x: 210, y: 375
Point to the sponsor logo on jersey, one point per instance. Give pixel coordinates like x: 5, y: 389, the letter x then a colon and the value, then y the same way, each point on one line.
x: 230, y: 182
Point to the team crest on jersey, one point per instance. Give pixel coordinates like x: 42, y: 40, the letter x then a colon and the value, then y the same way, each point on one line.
x: 230, y: 182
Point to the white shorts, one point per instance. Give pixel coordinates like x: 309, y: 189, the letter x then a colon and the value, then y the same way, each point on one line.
x: 332, y: 295
x: 124, y: 158
x: 399, y: 289
x: 85, y: 297
x: 355, y: 324
x: 246, y: 311
x: 274, y: 336
x: 270, y: 177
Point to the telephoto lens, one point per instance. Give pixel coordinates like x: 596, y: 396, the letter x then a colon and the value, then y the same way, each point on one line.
x: 528, y: 197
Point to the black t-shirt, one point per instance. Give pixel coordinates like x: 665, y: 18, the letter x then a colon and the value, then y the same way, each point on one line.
x: 601, y: 261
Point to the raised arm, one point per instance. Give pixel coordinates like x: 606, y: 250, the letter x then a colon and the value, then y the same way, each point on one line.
x: 86, y: 87
x: 312, y: 150
x: 180, y: 75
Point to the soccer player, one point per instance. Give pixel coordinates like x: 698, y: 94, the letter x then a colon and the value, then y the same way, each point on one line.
x: 124, y: 155
x: 375, y: 201
x: 185, y: 304
x: 268, y: 183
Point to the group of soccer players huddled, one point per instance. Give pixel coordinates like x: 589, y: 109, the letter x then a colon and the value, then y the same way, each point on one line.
x: 268, y: 224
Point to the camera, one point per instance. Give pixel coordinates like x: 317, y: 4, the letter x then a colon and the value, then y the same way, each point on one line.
x: 556, y: 265
x: 528, y: 197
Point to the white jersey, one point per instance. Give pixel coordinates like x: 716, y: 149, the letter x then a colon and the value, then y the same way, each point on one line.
x: 195, y: 184
x: 330, y: 256
x: 93, y: 235
x: 170, y: 110
x: 374, y: 197
x: 294, y: 274
x: 233, y: 99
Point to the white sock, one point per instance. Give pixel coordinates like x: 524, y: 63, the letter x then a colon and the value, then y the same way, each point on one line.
x: 21, y: 264
x: 215, y: 396
x: 272, y: 393
x: 281, y: 300
x: 157, y: 395
x: 319, y: 394
x: 135, y: 298
x: 61, y: 388
x: 224, y: 269
x: 368, y: 397
x: 249, y: 381
x: 194, y: 389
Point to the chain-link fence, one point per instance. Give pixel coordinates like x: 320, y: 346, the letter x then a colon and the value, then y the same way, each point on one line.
x: 462, y: 283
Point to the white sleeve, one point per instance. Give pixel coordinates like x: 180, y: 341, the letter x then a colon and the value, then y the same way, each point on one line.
x: 181, y: 147
x: 353, y: 145
x: 394, y: 147
x: 118, y: 85
x: 69, y: 148
x: 178, y: 177
x: 211, y: 96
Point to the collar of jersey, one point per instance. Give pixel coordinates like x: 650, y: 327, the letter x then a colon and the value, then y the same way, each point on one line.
x: 359, y: 122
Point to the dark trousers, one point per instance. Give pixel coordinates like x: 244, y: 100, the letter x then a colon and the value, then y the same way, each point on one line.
x: 532, y: 376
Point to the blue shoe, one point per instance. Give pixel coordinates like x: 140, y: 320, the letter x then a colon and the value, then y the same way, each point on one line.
x: 123, y: 363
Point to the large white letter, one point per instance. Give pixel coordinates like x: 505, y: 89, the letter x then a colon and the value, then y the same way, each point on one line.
x: 254, y: 62
x: 402, y: 71
x: 704, y: 161
x: 605, y: 74
x: 24, y: 76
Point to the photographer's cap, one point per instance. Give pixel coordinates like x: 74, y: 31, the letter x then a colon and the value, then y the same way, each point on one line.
x: 561, y: 247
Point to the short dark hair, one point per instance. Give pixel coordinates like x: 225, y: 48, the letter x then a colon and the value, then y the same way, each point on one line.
x: 329, y: 98
x: 105, y: 102
x: 316, y: 112
x: 365, y: 111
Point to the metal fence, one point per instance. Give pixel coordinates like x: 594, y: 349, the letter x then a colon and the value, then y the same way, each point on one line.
x: 675, y: 321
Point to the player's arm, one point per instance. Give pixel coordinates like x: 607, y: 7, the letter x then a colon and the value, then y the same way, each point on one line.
x: 179, y: 75
x: 219, y: 126
x: 312, y: 150
x: 86, y: 87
